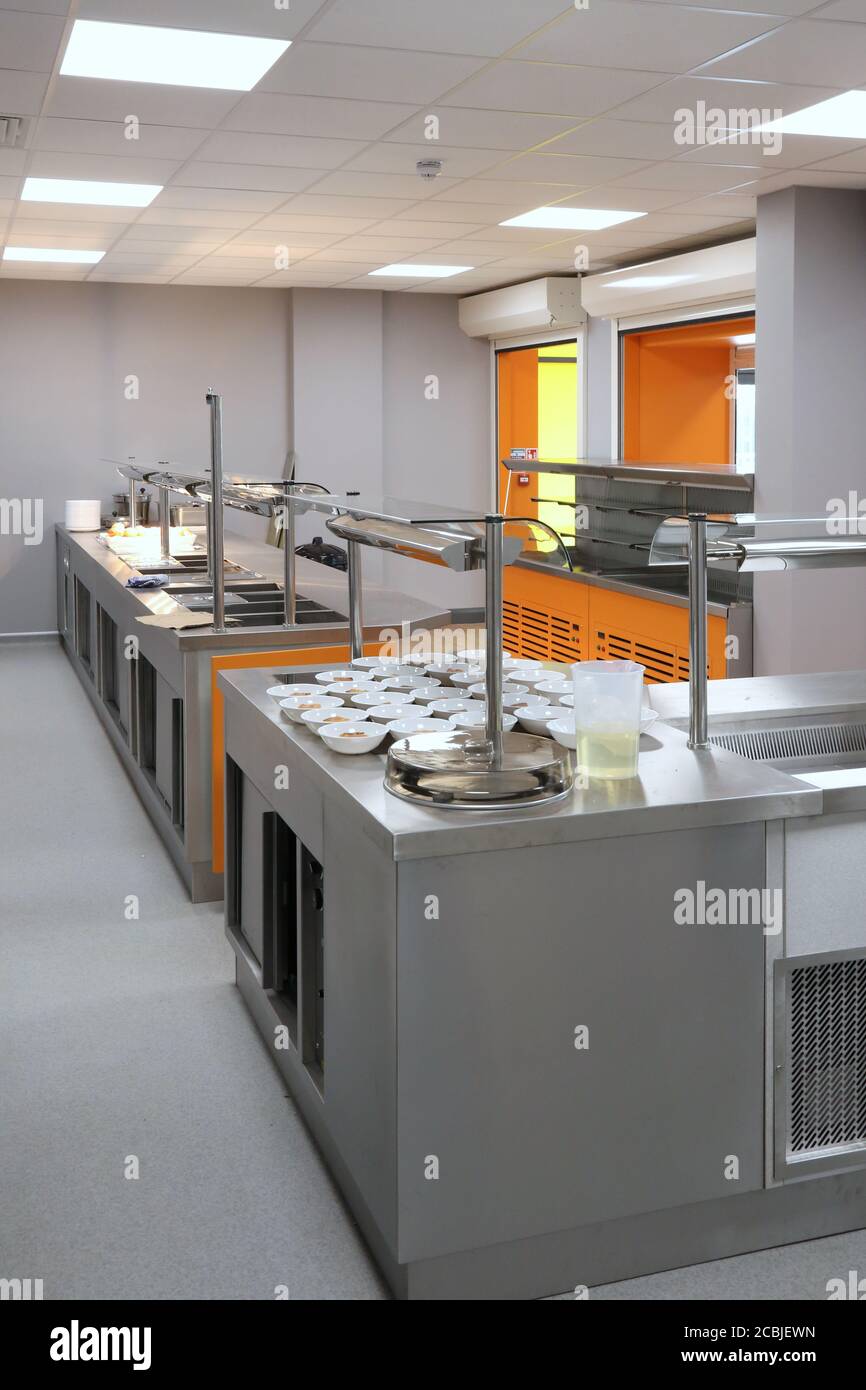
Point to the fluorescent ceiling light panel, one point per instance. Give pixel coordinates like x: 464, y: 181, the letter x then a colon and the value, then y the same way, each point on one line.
x: 173, y: 57
x: 843, y: 116
x: 421, y: 272
x: 118, y: 195
x: 572, y: 219
x: 43, y: 253
x: 647, y: 282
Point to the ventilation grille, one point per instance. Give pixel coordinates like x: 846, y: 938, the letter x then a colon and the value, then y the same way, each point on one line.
x: 541, y: 634
x: 827, y: 1056
x: 809, y: 741
x: 13, y: 132
x: 664, y: 663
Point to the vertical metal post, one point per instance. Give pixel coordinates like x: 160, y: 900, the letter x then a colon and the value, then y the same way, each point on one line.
x: 131, y: 459
x: 289, y: 588
x: 493, y: 526
x: 164, y: 523
x: 356, y: 608
x: 698, y: 630
x: 216, y: 548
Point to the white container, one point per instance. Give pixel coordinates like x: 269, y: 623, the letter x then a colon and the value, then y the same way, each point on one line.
x: 368, y: 698
x: 358, y: 737
x: 441, y: 709
x: 386, y: 714
x: 370, y: 663
x: 607, y: 709
x: 427, y: 693
x: 315, y: 718
x: 410, y: 682
x: 411, y: 724
x: 477, y: 718
x: 445, y: 671
x: 479, y: 690
x: 536, y: 718
x: 285, y: 691
x: 349, y: 688
x: 83, y: 516
x: 343, y: 677
x: 296, y: 707
x: 552, y: 690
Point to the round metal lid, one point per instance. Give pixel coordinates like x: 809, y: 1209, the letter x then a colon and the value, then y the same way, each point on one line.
x: 457, y: 769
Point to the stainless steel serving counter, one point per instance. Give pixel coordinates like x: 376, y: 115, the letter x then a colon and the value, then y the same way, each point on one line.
x: 531, y: 1056
x: 639, y: 587
x: 152, y: 686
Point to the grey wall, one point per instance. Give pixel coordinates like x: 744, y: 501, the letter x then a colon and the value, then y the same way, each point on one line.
x: 600, y: 341
x: 811, y: 421
x: 338, y: 375
x: 435, y: 448
x: 65, y: 351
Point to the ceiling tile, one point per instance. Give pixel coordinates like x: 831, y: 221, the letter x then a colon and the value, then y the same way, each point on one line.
x: 620, y: 34
x: 852, y: 163
x: 57, y: 7
x: 266, y: 177
x: 162, y: 220
x: 688, y: 178
x: 802, y: 51
x: 270, y: 238
x: 218, y: 199
x: 721, y: 205
x: 276, y: 113
x: 91, y: 99
x: 605, y: 138
x: 481, y: 130
x: 286, y: 279
x: 148, y: 247
x: 483, y: 213
x: 53, y: 228
x: 457, y: 161
x: 21, y: 93
x: 411, y: 227
x: 788, y: 152
x: 288, y: 151
x: 373, y: 74
x: 45, y: 164
x: 484, y: 27
x: 29, y: 42
x: 124, y: 278
x: 346, y: 184
x: 552, y: 89
x: 110, y: 138
x: 844, y: 9
x: 784, y: 8
x: 525, y: 195
x: 684, y: 93
x: 83, y: 212
x: 315, y: 204
x: 12, y: 161
x: 575, y: 171
x: 222, y: 16
x: 811, y: 178
x: 299, y: 222
x: 374, y: 243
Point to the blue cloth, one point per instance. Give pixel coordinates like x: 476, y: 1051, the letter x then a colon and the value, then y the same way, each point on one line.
x: 147, y: 581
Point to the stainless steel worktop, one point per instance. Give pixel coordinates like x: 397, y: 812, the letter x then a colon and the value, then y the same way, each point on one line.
x: 676, y: 789
x: 383, y: 608
x: 637, y: 587
x: 754, y: 696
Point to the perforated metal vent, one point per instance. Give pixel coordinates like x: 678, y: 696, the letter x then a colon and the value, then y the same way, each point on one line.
x: 13, y: 132
x: 793, y: 742
x: 826, y: 1056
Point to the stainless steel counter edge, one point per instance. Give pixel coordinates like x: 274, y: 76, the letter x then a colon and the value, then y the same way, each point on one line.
x: 383, y: 608
x: 676, y: 789
x: 624, y: 586
x: 755, y: 697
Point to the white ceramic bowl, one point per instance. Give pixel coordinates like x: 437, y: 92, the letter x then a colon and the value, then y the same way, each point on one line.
x: 346, y: 689
x: 445, y: 670
x: 368, y: 698
x: 386, y: 714
x: 315, y: 718
x: 402, y: 728
x: 476, y: 719
x: 382, y: 673
x: 441, y: 709
x: 407, y: 682
x: 297, y: 706
x: 562, y: 729
x: 471, y: 676
x: 286, y: 690
x: 358, y: 737
x: 553, y: 690
x: 370, y: 663
x: 427, y: 693
x: 567, y: 700
x: 477, y: 656
x: 536, y: 719
x: 341, y: 676
x: 479, y: 690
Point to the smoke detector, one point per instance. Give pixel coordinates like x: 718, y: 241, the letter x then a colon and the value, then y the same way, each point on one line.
x: 12, y: 132
x: 429, y: 168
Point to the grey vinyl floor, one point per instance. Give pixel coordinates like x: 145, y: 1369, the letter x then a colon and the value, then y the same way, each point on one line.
x: 126, y: 1039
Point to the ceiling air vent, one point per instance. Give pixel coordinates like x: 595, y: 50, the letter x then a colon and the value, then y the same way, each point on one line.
x: 13, y: 130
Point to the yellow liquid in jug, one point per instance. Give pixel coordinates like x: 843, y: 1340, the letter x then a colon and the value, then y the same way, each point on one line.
x: 607, y: 752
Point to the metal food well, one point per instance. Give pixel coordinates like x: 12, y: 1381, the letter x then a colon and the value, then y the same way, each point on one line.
x: 491, y: 770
